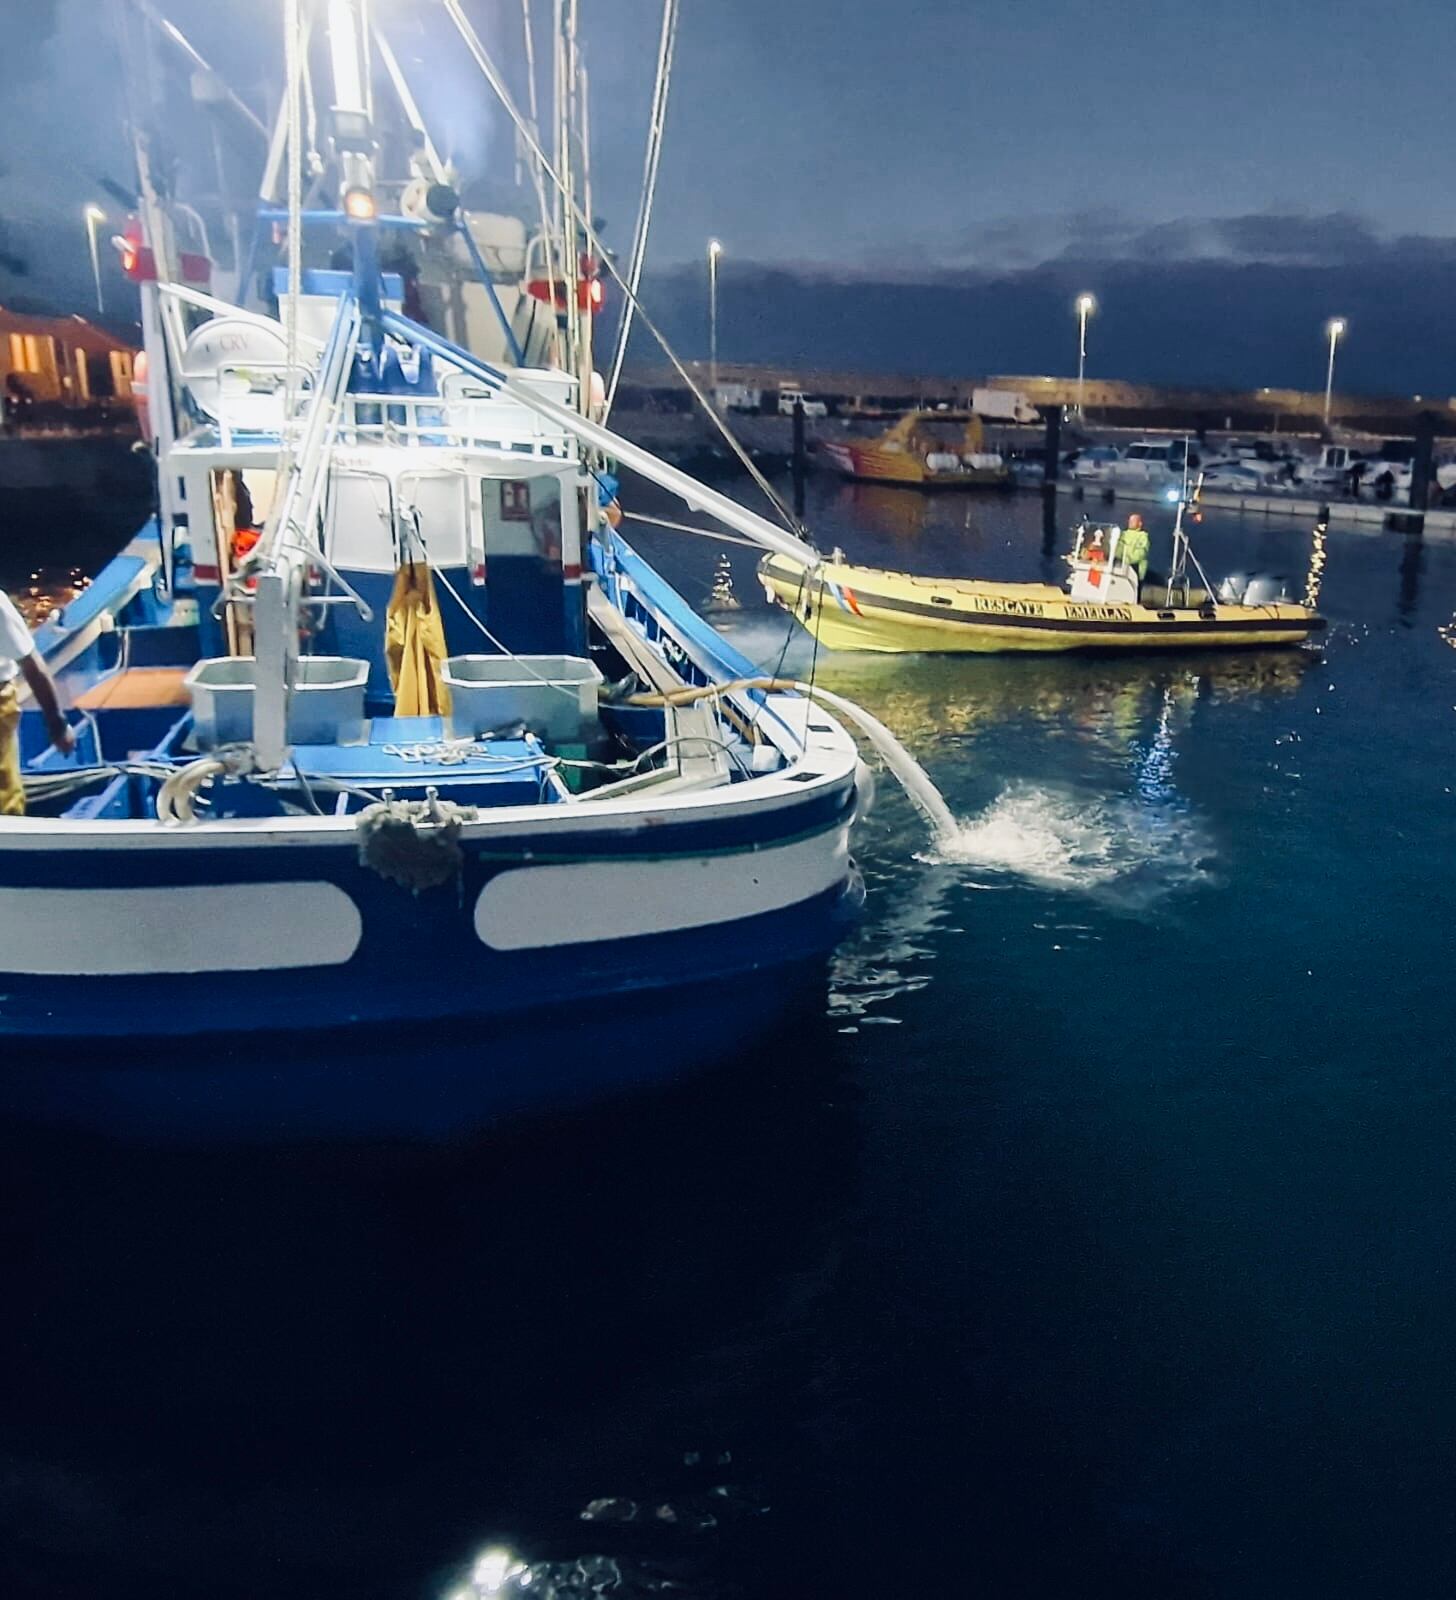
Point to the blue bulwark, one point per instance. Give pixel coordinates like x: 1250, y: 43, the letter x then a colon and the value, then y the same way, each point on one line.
x: 331, y: 284
x: 711, y: 650
x: 108, y: 589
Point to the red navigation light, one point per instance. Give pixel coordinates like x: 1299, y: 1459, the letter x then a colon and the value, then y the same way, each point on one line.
x: 129, y: 242
x: 139, y: 263
x: 589, y: 292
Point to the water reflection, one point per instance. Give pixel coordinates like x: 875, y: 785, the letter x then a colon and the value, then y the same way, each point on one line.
x: 1412, y: 566
x: 1318, y: 554
x: 896, y: 527
x: 347, y: 1369
x: 1110, y: 699
x: 1051, y: 524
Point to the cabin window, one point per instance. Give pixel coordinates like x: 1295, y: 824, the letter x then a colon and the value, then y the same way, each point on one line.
x: 369, y: 519
x: 523, y: 517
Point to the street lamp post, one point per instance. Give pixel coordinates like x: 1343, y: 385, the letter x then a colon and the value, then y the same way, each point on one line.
x: 1335, y: 328
x: 1086, y: 305
x: 94, y: 216
x: 715, y: 249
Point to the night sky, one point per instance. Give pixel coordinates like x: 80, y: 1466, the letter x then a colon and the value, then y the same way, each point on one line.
x: 1211, y: 171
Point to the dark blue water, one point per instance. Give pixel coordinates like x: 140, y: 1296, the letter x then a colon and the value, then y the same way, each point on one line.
x: 1087, y: 1232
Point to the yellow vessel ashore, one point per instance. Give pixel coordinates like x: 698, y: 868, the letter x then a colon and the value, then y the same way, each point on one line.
x: 1104, y: 606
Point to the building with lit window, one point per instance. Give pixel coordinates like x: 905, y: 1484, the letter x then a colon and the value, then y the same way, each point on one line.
x: 61, y: 362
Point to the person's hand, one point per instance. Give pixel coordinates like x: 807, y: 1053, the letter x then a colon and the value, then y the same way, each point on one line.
x: 62, y: 737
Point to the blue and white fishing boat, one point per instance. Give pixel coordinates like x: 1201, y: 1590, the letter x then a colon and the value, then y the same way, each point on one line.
x: 381, y: 719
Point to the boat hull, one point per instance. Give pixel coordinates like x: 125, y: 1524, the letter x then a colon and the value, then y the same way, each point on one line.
x: 859, y: 608
x: 428, y: 1078
x: 169, y: 935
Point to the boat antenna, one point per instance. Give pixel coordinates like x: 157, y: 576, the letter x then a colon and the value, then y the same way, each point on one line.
x: 171, y: 32
x: 1182, y: 544
x: 548, y: 246
x: 666, y: 47
x: 494, y: 79
x: 293, y: 58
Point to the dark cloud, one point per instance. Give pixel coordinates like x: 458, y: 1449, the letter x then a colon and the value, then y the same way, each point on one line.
x: 1280, y: 237
x: 1336, y: 236
x: 1201, y: 318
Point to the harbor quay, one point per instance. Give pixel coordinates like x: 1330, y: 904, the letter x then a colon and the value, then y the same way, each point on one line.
x: 1299, y: 464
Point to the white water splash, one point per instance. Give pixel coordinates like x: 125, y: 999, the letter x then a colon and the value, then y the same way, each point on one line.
x: 1123, y: 850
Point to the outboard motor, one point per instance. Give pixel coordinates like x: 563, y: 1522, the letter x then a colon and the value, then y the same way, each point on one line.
x: 1267, y: 589
x: 1255, y: 589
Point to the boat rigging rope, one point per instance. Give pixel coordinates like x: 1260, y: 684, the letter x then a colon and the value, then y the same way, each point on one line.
x: 532, y: 100
x: 666, y: 49
x: 293, y: 56
x: 601, y: 254
x: 414, y: 843
x: 687, y: 527
x: 505, y: 650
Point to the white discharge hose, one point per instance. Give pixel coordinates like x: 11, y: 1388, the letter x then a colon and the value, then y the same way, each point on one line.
x: 177, y: 798
x: 912, y: 777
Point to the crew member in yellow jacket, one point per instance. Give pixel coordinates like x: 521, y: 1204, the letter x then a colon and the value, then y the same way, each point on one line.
x: 414, y: 645
x: 1132, y: 547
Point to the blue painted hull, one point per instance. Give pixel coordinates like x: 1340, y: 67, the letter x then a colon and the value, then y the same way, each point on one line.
x: 643, y: 1017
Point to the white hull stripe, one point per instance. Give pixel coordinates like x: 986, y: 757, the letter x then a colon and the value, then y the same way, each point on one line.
x: 533, y: 908
x: 243, y: 927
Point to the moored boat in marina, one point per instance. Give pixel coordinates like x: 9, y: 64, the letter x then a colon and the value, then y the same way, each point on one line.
x: 910, y: 454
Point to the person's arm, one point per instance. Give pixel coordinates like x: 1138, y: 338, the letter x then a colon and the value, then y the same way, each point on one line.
x: 43, y: 687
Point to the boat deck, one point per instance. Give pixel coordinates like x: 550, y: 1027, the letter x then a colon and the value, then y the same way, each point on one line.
x: 411, y: 754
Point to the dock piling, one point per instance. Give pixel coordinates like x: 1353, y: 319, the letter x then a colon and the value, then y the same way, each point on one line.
x: 1053, y: 442
x: 1423, y: 462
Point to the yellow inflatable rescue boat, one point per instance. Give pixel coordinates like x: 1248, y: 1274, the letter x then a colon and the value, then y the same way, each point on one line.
x: 1105, y: 606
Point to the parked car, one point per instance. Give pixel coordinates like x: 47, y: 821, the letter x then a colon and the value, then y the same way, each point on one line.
x: 790, y: 397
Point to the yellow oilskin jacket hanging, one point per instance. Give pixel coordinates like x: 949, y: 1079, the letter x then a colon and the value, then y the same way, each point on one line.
x: 414, y: 645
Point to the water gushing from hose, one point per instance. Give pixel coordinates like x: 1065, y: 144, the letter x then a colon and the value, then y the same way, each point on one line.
x: 912, y: 777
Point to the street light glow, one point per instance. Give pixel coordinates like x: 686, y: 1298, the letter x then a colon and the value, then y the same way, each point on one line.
x: 1334, y: 329
x: 94, y: 215
x: 715, y: 249
x: 1086, y: 305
